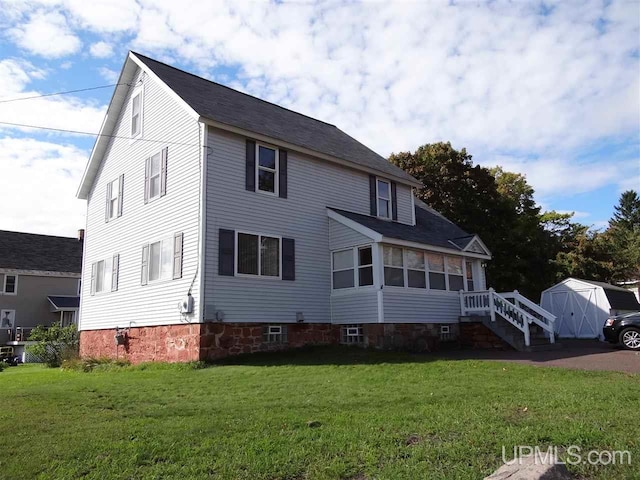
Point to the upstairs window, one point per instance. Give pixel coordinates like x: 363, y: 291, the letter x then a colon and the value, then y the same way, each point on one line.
x: 155, y: 178
x: 267, y: 169
x: 114, y: 198
x: 136, y: 114
x: 10, y: 286
x: 258, y: 255
x: 384, y: 198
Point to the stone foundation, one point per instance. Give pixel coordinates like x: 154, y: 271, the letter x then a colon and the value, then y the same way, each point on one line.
x: 214, y: 340
x: 477, y: 335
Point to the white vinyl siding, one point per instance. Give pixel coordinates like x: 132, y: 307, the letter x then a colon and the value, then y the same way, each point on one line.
x: 178, y: 211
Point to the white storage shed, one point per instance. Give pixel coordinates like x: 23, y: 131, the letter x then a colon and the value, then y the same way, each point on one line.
x: 582, y: 306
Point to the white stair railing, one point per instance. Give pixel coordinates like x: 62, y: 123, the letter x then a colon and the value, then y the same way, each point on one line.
x: 518, y: 312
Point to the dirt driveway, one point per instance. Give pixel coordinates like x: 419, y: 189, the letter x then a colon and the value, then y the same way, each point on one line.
x: 580, y: 354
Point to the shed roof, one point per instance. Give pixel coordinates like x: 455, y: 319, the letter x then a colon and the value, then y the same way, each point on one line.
x: 28, y: 251
x: 619, y: 298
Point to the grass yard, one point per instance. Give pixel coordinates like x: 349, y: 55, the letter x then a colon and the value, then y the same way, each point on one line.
x: 380, y: 415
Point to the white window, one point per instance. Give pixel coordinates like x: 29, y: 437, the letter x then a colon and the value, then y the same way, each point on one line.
x: 416, y: 276
x: 258, y: 255
x: 113, y: 198
x: 384, y: 198
x: 393, y: 266
x: 437, y: 279
x: 136, y: 114
x: 343, y: 269
x: 454, y: 271
x: 352, y: 334
x: 154, y: 176
x: 102, y: 278
x: 274, y: 334
x: 10, y: 285
x: 162, y: 259
x: 470, y: 285
x: 267, y: 169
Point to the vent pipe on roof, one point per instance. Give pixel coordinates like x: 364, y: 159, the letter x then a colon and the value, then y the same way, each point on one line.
x: 81, y: 235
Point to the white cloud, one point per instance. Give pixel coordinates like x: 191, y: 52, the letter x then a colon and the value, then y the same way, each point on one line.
x: 64, y: 112
x: 43, y: 178
x: 46, y: 34
x: 109, y: 75
x: 101, y: 50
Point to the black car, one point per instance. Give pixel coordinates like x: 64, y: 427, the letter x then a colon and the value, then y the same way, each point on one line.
x: 624, y: 329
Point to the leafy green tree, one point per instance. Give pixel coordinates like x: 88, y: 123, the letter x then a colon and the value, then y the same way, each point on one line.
x: 54, y: 344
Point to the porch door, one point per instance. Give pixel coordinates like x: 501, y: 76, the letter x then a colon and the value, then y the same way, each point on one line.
x: 68, y: 318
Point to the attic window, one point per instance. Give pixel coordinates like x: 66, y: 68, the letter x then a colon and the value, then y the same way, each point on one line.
x: 384, y: 198
x: 136, y: 114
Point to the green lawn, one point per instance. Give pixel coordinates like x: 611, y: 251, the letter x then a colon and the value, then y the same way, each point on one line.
x: 381, y: 415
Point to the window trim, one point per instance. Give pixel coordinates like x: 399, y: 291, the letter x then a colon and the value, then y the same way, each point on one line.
x: 276, y: 171
x: 4, y: 284
x: 356, y: 267
x: 281, y: 332
x: 159, y: 195
x: 137, y: 91
x: 107, y: 287
x: 345, y: 334
x: 113, y: 212
x: 259, y: 275
x: 378, y: 198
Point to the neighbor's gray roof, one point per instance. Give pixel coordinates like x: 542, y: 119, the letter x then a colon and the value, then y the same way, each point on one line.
x: 619, y: 298
x: 431, y: 228
x: 231, y: 107
x: 28, y: 251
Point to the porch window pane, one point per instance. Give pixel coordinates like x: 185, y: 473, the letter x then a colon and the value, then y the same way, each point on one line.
x: 247, y: 254
x: 365, y: 266
x: 342, y: 260
x: 454, y: 265
x: 343, y: 279
x: 456, y: 283
x: 470, y: 285
x: 365, y: 276
x: 393, y: 256
x: 394, y: 277
x: 415, y: 259
x: 436, y: 281
x: 436, y: 262
x: 270, y: 256
x: 417, y: 279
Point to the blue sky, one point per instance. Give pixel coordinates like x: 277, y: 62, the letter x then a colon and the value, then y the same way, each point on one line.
x: 551, y: 90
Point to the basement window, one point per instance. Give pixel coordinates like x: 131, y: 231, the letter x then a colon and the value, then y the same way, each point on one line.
x: 352, y: 335
x: 274, y: 334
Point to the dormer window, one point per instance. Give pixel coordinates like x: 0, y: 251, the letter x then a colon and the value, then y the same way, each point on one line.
x: 384, y: 198
x: 267, y: 169
x: 136, y: 114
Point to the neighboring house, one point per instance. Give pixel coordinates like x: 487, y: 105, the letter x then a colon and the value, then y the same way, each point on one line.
x: 271, y: 227
x: 39, y: 283
x: 583, y: 306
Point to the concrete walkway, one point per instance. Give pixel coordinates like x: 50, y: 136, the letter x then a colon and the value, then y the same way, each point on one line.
x: 580, y: 354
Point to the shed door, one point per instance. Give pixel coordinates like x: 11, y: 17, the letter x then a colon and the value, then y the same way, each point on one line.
x: 577, y: 313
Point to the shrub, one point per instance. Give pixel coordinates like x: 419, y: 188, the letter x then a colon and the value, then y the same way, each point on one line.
x: 55, y: 344
x: 2, y: 366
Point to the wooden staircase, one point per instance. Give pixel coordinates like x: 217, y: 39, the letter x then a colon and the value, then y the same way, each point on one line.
x: 512, y: 317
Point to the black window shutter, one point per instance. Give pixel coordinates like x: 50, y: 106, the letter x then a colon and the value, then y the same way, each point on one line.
x: 282, y: 174
x: 288, y: 259
x: 394, y: 201
x: 250, y: 180
x: 226, y: 252
x: 373, y: 201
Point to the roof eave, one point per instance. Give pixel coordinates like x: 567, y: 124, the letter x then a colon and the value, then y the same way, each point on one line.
x: 433, y: 248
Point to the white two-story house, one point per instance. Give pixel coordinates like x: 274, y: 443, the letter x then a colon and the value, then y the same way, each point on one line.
x: 218, y: 223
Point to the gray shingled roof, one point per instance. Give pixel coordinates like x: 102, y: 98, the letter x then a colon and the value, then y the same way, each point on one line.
x: 28, y: 251
x: 619, y: 298
x: 230, y: 107
x: 431, y: 228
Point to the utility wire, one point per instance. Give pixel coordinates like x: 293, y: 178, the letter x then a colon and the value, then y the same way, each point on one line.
x: 61, y: 93
x: 166, y: 142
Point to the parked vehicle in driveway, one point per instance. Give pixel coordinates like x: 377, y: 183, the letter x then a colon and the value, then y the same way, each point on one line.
x: 623, y: 329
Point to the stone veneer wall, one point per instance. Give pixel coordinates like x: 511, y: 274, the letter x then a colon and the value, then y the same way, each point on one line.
x: 213, y: 340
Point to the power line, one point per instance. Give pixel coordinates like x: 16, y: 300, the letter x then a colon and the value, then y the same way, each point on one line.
x: 62, y: 93
x: 77, y: 132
